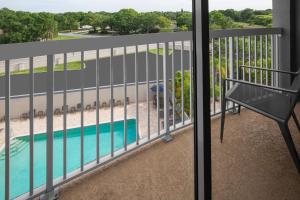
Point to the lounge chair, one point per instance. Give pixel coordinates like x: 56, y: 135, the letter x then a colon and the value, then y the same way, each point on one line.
x: 25, y: 116
x: 104, y: 105
x: 88, y: 107
x: 119, y: 103
x: 73, y: 109
x: 57, y: 111
x: 41, y: 114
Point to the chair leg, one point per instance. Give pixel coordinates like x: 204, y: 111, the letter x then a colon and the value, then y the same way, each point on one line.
x: 239, y: 109
x: 290, y: 144
x: 223, y: 110
x: 296, y: 120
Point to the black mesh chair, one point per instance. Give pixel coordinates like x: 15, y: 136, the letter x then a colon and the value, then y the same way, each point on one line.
x: 272, y: 102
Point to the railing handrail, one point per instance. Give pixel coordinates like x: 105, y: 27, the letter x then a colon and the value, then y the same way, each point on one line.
x: 33, y: 49
x: 244, y: 32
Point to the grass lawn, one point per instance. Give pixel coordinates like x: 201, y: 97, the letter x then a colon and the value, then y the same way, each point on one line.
x: 160, y: 51
x: 62, y: 37
x: 76, y: 65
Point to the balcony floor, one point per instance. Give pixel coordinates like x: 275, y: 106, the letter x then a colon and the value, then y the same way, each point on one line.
x: 252, y: 163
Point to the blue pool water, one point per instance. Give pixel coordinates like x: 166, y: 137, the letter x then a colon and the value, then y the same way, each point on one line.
x: 19, y: 159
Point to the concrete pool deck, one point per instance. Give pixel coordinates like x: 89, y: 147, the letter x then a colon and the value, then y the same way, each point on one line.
x: 21, y: 127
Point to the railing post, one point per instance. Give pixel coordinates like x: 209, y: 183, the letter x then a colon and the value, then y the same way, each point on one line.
x: 49, y: 144
x: 7, y: 130
x: 231, y: 65
x: 167, y: 137
x: 231, y: 59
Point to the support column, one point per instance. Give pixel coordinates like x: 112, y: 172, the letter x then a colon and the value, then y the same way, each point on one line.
x: 284, y: 17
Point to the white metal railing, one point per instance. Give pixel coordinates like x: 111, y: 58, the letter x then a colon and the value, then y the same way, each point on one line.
x: 228, y: 50
x: 173, y: 118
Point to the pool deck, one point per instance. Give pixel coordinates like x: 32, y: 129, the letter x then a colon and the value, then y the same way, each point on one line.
x: 21, y: 127
x: 252, y: 163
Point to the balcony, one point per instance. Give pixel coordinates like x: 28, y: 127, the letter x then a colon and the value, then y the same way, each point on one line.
x: 138, y: 88
x: 165, y: 171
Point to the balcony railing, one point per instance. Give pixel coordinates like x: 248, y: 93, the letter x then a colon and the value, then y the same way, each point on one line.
x: 140, y: 86
x: 229, y: 49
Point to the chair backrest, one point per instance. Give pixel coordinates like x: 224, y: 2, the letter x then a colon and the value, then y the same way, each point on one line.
x: 296, y: 82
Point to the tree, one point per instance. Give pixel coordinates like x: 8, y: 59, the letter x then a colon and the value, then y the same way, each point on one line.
x: 164, y: 22
x: 184, y: 19
x: 125, y: 21
x: 233, y: 14
x: 219, y: 21
x: 70, y: 22
x: 93, y: 19
x: 246, y: 15
x: 152, y: 22
x: 26, y: 27
x: 263, y: 20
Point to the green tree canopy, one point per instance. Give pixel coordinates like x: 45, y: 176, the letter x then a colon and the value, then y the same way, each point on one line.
x: 152, y: 22
x: 24, y: 26
x: 219, y: 21
x: 93, y: 19
x: 185, y: 19
x: 125, y: 21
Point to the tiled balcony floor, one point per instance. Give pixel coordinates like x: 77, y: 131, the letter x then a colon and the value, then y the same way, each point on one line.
x: 252, y: 163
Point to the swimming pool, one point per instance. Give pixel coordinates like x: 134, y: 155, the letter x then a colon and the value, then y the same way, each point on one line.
x: 19, y: 158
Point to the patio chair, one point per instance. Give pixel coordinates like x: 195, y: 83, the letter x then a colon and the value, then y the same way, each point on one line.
x: 273, y: 102
x: 57, y: 111
x: 73, y: 109
x: 88, y: 107
x: 41, y: 114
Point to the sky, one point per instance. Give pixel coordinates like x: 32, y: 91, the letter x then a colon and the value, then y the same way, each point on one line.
x: 115, y: 5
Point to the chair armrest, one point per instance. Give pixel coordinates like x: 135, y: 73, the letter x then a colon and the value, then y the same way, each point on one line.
x: 263, y: 86
x: 270, y: 70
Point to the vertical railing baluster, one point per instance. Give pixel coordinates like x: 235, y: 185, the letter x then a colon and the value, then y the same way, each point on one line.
x: 173, y: 86
x: 226, y: 57
x: 166, y: 93
x: 147, y: 82
x: 136, y: 94
x: 277, y: 60
x: 272, y: 59
x: 31, y: 127
x: 213, y: 75
x: 65, y: 110
x: 243, y: 46
x: 125, y: 97
x: 249, y: 58
x: 49, y: 144
x: 237, y: 59
x: 157, y: 90
x: 82, y: 112
x: 261, y: 58
x: 255, y: 58
x: 7, y: 130
x: 220, y: 70
x: 231, y: 60
x: 182, y: 82
x: 226, y: 64
x: 191, y: 82
x: 231, y: 63
x: 266, y: 45
x: 97, y: 106
x: 112, y: 102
